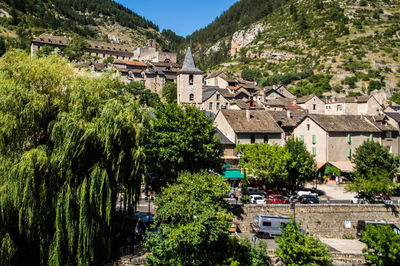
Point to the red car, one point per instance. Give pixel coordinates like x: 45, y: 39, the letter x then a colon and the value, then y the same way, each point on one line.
x: 276, y: 199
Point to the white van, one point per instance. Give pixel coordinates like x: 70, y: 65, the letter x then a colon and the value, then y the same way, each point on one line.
x: 268, y: 225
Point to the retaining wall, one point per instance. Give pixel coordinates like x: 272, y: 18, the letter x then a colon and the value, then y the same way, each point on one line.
x: 321, y: 220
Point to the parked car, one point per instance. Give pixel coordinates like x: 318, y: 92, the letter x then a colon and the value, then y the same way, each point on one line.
x: 270, y: 192
x: 293, y: 198
x: 308, y: 199
x: 254, y: 191
x: 359, y: 199
x: 276, y: 199
x: 362, y: 226
x: 383, y: 199
x: 231, y: 194
x: 307, y: 192
x: 257, y: 199
x: 266, y: 226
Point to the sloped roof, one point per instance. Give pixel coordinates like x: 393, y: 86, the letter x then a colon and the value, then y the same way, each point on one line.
x: 53, y: 40
x: 343, y: 123
x: 380, y: 121
x: 259, y: 121
x: 222, y: 75
x: 304, y: 99
x: 222, y: 138
x: 189, y: 66
x: 246, y: 104
x: 207, y: 94
x: 294, y: 118
x: 395, y: 116
x: 279, y: 102
x: 357, y: 99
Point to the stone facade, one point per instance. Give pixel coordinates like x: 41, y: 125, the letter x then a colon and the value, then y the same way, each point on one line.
x: 353, y: 106
x: 190, y: 92
x: 322, y: 220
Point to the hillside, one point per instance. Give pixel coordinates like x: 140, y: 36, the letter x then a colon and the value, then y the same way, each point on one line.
x: 323, y: 47
x: 103, y: 20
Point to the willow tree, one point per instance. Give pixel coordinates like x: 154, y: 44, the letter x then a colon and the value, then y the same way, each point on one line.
x: 68, y: 145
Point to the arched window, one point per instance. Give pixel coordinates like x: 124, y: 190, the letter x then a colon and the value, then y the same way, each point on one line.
x: 190, y: 79
x: 191, y: 97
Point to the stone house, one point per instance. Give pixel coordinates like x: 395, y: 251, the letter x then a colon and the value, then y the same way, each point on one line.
x: 214, y: 100
x: 228, y: 153
x: 150, y: 53
x: 220, y: 79
x: 288, y: 120
x: 248, y: 126
x: 311, y: 103
x: 279, y: 104
x: 361, y: 105
x: 334, y: 138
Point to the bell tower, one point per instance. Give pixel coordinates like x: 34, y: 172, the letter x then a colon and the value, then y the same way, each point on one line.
x: 190, y: 82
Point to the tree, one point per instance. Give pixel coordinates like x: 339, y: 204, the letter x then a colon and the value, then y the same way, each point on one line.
x: 265, y: 162
x: 194, y: 220
x: 182, y: 140
x: 383, y: 245
x: 77, y: 48
x: 68, y: 145
x: 109, y: 60
x: 301, y: 166
x: 2, y: 45
x: 169, y: 92
x: 297, y: 248
x: 374, y: 169
x: 45, y: 51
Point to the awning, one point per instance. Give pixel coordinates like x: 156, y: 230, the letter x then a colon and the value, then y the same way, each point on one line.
x: 232, y: 174
x: 344, y: 166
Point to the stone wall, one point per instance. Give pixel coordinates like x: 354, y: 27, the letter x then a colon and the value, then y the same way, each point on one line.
x: 322, y: 220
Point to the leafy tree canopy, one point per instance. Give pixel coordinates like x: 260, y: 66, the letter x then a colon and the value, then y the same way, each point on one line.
x: 297, y: 248
x: 193, y: 218
x: 374, y: 169
x: 169, y: 92
x: 182, y: 140
x: 68, y: 144
x: 383, y: 245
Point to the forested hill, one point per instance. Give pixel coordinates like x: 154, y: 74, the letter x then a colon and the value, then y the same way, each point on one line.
x: 93, y: 19
x: 346, y: 47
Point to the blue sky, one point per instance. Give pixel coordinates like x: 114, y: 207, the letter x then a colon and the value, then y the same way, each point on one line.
x: 181, y: 16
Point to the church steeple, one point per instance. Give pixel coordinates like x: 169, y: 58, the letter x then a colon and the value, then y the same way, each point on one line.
x: 189, y: 67
x: 190, y: 82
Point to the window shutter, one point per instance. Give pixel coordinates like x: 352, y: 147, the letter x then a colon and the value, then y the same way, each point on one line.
x: 314, y: 151
x: 314, y: 139
x: 348, y: 138
x: 349, y: 153
x: 370, y: 137
x: 302, y: 138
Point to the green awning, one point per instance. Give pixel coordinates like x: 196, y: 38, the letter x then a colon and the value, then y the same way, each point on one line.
x: 232, y: 174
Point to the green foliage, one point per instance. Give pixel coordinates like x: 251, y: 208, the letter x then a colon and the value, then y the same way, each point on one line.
x: 297, y: 248
x: 351, y: 81
x: 251, y: 74
x: 169, y: 92
x: 264, y: 162
x: 193, y: 218
x: 182, y: 140
x: 77, y: 48
x: 45, y: 51
x: 316, y: 84
x: 245, y: 183
x: 374, y: 169
x: 375, y: 85
x: 2, y: 45
x: 286, y: 78
x: 68, y: 144
x: 300, y: 165
x: 109, y: 60
x: 331, y: 170
x: 395, y: 97
x: 383, y: 245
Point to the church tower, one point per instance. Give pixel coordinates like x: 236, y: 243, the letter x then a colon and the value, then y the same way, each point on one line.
x: 190, y: 82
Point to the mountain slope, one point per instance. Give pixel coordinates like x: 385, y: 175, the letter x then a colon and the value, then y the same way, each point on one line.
x: 353, y: 46
x: 101, y: 19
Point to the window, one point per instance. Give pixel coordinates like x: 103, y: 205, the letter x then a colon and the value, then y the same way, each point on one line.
x: 190, y: 79
x: 308, y: 127
x: 389, y: 148
x: 314, y: 151
x: 388, y: 134
x: 348, y: 138
x: 218, y: 97
x: 266, y: 224
x: 253, y: 139
x: 265, y: 138
x: 226, y: 105
x: 349, y: 153
x: 218, y: 106
x: 191, y: 97
x: 314, y: 107
x: 210, y: 106
x: 339, y: 107
x: 314, y: 139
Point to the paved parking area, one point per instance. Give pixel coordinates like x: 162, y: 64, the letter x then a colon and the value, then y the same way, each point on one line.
x: 347, y: 246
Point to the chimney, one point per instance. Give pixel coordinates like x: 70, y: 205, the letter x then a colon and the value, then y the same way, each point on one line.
x: 248, y: 114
